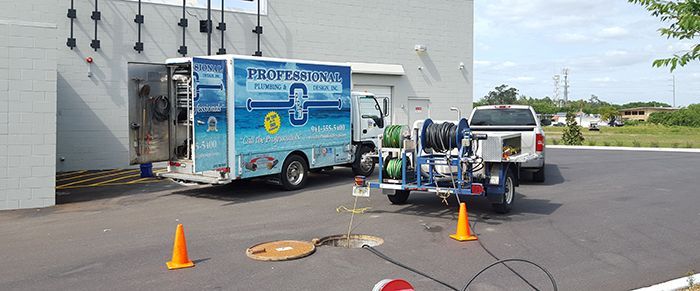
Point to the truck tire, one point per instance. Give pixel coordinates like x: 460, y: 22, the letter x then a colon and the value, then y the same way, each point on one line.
x: 294, y: 173
x: 506, y: 203
x: 539, y: 175
x: 399, y: 197
x: 360, y: 167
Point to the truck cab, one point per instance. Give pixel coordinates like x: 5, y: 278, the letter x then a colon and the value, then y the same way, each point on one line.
x: 213, y: 127
x: 370, y: 115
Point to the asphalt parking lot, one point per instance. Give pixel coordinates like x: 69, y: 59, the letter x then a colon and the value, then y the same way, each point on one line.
x: 604, y: 220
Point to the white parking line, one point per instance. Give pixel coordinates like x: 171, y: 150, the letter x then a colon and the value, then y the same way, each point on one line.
x: 632, y: 149
x: 673, y: 285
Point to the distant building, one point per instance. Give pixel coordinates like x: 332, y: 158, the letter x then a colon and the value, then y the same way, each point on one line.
x: 642, y: 113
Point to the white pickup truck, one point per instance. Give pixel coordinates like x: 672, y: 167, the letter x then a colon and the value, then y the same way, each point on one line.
x: 517, y: 119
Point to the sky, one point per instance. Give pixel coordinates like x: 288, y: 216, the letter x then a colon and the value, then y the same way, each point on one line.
x: 608, y: 46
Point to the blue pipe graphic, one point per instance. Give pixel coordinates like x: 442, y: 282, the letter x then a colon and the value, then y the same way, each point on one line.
x: 298, y: 105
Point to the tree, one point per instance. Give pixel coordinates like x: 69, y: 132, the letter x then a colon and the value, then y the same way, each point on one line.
x: 684, y: 19
x: 644, y: 104
x: 501, y: 95
x: 572, y: 132
x: 608, y: 113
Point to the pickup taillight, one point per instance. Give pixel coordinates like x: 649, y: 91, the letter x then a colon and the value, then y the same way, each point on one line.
x: 539, y: 142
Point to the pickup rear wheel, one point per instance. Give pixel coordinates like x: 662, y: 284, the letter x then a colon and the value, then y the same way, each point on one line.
x: 506, y: 203
x: 399, y: 197
x: 539, y: 176
x: 294, y: 173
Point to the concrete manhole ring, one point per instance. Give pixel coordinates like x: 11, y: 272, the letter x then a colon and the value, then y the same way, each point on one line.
x: 356, y: 241
x: 282, y: 250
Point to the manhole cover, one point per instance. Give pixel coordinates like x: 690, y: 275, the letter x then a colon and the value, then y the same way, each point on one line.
x: 356, y: 241
x: 282, y: 250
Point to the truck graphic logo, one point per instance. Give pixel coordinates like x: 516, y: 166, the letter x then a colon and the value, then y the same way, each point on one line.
x: 298, y: 104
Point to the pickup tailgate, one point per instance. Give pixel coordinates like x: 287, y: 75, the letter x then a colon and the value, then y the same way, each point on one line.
x: 528, y: 135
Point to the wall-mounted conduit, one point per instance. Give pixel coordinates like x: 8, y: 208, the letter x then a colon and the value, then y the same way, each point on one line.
x: 70, y: 42
x: 96, y: 16
x: 222, y: 28
x: 259, y: 31
x: 183, y: 23
x: 138, y: 46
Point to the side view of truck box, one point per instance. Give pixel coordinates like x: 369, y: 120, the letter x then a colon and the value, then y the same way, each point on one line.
x: 216, y: 119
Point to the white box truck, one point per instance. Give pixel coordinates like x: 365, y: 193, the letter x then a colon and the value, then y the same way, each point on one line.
x: 216, y: 119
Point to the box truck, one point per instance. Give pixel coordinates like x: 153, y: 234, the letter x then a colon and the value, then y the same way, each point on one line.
x: 216, y: 119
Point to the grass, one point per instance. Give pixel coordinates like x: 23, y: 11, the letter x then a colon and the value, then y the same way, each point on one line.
x: 648, y: 135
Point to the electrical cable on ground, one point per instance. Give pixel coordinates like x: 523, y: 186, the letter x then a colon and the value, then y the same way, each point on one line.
x: 498, y: 261
x: 473, y: 227
x: 390, y: 260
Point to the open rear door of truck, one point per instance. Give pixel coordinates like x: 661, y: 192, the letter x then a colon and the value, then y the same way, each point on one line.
x: 150, y: 113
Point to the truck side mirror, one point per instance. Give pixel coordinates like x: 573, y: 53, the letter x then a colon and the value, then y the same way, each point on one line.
x: 379, y: 121
x: 546, y: 122
x: 385, y: 103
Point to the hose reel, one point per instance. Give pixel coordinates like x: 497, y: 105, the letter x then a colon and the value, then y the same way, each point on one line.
x: 394, y: 135
x: 443, y: 137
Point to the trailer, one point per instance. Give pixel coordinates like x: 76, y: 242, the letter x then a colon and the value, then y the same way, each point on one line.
x: 446, y: 158
x: 216, y: 119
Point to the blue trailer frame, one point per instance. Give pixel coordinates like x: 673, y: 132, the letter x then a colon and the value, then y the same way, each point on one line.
x: 460, y: 185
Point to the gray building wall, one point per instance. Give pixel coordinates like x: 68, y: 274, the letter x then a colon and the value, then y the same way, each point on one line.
x: 28, y: 54
x: 92, y: 112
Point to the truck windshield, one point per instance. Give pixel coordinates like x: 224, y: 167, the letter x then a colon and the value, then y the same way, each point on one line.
x: 369, y: 107
x: 503, y: 117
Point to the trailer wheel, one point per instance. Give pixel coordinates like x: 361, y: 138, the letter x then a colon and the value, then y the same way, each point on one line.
x: 539, y: 175
x: 363, y: 165
x: 506, y: 203
x: 399, y: 197
x: 294, y: 173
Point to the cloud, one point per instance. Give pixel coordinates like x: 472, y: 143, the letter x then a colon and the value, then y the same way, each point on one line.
x: 482, y: 63
x: 613, y: 32
x: 522, y: 79
x: 573, y: 38
x: 603, y: 80
x: 507, y: 64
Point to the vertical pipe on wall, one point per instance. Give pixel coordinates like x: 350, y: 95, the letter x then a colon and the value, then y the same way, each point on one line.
x: 96, y: 16
x: 138, y: 46
x: 70, y: 42
x: 183, y: 23
x: 258, y: 30
x: 222, y: 28
x: 208, y: 27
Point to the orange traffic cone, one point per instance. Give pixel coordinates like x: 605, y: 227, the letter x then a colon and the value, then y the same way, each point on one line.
x: 463, y: 232
x: 180, y: 259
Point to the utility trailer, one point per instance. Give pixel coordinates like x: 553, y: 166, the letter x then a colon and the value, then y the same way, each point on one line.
x: 447, y: 158
x: 216, y: 119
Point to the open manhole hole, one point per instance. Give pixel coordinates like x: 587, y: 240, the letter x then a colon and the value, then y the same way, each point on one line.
x: 283, y: 250
x: 356, y: 241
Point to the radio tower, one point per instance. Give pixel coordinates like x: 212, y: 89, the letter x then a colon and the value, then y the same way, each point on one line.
x: 555, y: 96
x: 565, y: 72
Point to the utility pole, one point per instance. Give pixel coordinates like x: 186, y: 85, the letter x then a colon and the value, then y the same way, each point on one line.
x: 566, y: 85
x: 557, y: 83
x: 674, y: 91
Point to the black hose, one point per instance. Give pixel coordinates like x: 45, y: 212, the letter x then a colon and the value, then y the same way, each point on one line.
x: 441, y: 137
x: 161, y: 108
x: 390, y: 260
x: 551, y: 278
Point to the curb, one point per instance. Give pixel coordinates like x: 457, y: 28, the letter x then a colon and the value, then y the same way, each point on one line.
x: 672, y: 285
x: 640, y: 149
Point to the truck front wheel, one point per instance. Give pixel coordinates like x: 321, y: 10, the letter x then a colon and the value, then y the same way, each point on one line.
x: 363, y: 165
x: 294, y: 174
